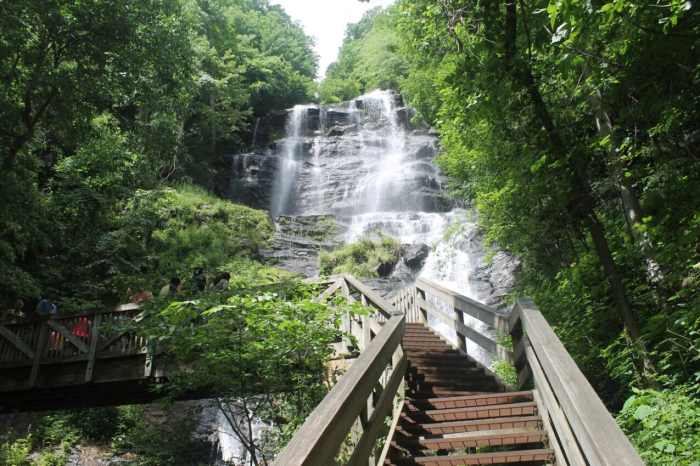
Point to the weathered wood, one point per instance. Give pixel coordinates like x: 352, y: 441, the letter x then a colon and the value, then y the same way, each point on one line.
x: 16, y: 341
x: 364, y: 447
x: 330, y: 291
x: 68, y: 335
x: 92, y: 353
x: 479, y: 311
x: 318, y: 439
x: 559, y: 457
x: 564, y: 436
x: 461, y: 329
x: 596, y: 431
x: 383, y: 306
x: 42, y: 341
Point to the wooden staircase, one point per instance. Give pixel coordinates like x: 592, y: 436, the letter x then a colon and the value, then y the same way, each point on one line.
x: 409, y: 398
x: 456, y: 414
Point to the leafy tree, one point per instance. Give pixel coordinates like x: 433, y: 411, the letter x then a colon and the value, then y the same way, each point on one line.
x: 367, y: 60
x: 263, y: 350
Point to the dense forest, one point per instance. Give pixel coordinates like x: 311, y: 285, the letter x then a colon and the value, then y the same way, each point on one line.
x: 572, y: 128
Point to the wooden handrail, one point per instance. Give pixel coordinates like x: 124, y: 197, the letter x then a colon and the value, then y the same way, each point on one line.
x: 460, y: 306
x: 482, y: 312
x: 580, y: 428
x: 365, y: 393
x: 318, y: 440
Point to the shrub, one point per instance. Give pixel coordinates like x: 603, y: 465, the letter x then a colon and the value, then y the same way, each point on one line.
x: 15, y: 452
x: 171, y: 231
x: 368, y: 257
x: 505, y: 371
x: 664, y: 426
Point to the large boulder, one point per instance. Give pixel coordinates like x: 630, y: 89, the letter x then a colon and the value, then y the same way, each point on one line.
x: 414, y: 255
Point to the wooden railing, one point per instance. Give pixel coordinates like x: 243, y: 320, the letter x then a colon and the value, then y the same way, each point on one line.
x: 350, y: 420
x: 27, y: 347
x: 416, y: 304
x: 581, y: 430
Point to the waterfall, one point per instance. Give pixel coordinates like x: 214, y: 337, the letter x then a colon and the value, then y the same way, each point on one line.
x: 290, y: 163
x: 365, y: 164
x: 254, y: 141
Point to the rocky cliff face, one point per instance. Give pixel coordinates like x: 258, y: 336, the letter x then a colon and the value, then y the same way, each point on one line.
x: 331, y: 174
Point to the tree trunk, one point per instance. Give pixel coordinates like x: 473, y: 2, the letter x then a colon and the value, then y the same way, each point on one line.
x: 630, y: 204
x: 521, y: 73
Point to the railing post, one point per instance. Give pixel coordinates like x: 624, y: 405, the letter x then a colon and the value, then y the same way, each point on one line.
x: 461, y: 339
x: 39, y: 354
x: 92, y: 353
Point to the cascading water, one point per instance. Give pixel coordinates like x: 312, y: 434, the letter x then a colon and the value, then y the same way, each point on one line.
x: 363, y: 163
x: 290, y: 163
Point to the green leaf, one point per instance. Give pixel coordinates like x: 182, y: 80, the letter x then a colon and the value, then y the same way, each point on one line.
x: 642, y: 412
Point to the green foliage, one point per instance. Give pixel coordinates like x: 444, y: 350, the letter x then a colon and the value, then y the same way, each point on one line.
x: 153, y: 443
x: 95, y: 107
x: 664, y: 426
x: 271, y: 339
x: 517, y: 111
x: 506, y: 372
x: 368, y: 58
x: 169, y: 232
x: 368, y: 257
x: 15, y: 452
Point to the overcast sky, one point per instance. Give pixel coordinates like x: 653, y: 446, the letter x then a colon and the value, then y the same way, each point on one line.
x: 325, y: 21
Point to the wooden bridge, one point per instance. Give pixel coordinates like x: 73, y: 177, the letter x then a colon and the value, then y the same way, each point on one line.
x: 83, y: 360
x: 412, y: 397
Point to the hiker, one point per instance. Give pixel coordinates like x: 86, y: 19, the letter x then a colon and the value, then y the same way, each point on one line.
x: 172, y: 288
x: 140, y: 297
x: 46, y: 308
x: 221, y: 281
x: 199, y: 280
x: 82, y: 328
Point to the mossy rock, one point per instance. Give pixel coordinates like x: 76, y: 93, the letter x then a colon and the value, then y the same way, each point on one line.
x: 370, y: 257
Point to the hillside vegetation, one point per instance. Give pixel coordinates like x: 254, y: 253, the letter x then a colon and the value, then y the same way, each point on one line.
x: 572, y: 128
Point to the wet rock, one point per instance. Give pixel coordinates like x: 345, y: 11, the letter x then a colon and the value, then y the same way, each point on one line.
x: 385, y: 269
x: 337, y: 131
x: 271, y: 127
x: 252, y: 178
x: 338, y: 117
x: 404, y: 116
x: 298, y: 241
x: 414, y: 255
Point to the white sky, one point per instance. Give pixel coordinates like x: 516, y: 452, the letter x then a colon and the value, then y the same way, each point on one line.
x: 325, y: 21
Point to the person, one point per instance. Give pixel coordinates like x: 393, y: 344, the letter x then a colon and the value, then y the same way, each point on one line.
x: 46, y: 308
x: 199, y: 280
x: 172, y: 288
x: 141, y: 296
x: 82, y: 328
x: 221, y: 281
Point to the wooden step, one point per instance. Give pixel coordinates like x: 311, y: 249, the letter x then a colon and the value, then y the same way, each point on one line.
x: 447, y: 372
x: 419, y: 335
x: 429, y: 349
x: 528, y: 408
x: 481, y: 439
x: 497, y: 457
x: 422, y: 357
x: 486, y: 399
x: 431, y: 391
x: 424, y: 341
x: 456, y: 427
